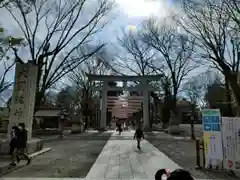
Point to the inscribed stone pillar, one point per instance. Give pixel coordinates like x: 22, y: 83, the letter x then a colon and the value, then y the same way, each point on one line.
x: 23, y: 96
x: 103, y: 120
x: 174, y: 124
x: 61, y: 125
x: 146, y: 123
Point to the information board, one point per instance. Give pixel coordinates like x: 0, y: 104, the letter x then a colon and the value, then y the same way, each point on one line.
x: 231, y: 143
x: 211, y: 119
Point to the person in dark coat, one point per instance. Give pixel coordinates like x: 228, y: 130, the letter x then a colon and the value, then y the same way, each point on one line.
x: 14, y: 144
x: 178, y: 174
x: 138, y: 135
x: 119, y: 126
x: 22, y: 144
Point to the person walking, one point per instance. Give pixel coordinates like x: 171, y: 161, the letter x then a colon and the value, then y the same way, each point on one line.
x: 13, y: 144
x: 138, y: 135
x: 22, y: 144
x: 119, y: 127
x: 86, y: 123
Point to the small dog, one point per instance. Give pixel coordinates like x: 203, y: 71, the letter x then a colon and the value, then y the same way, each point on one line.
x: 178, y: 174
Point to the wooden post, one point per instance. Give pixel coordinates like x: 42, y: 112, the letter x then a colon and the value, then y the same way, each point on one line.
x: 203, y: 154
x: 198, y: 161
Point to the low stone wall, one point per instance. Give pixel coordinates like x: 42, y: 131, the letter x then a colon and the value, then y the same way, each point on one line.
x: 198, y: 129
x: 40, y: 132
x: 77, y: 128
x: 46, y: 132
x: 33, y: 145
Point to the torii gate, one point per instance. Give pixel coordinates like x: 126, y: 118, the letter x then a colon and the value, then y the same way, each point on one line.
x: 143, y: 87
x: 124, y: 106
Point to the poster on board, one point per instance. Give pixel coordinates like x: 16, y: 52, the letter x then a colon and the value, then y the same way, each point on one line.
x: 231, y: 143
x: 237, y: 149
x: 211, y: 119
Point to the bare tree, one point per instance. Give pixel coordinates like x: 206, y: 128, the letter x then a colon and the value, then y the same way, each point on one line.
x: 85, y: 95
x: 216, y: 37
x: 136, y: 55
x: 6, y: 60
x: 97, y: 64
x: 68, y: 25
x: 175, y: 55
x: 193, y: 94
x: 233, y: 9
x: 196, y: 87
x: 195, y: 90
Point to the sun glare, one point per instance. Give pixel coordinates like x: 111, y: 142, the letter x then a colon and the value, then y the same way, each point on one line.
x: 131, y: 28
x: 142, y: 8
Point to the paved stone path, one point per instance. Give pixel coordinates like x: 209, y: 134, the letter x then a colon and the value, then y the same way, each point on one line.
x: 71, y: 157
x: 120, y: 159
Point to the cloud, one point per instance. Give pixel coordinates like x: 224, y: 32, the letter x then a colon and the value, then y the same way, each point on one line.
x: 128, y: 13
x: 142, y: 8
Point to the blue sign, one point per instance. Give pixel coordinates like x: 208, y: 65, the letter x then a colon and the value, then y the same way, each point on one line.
x: 211, y: 120
x: 207, y: 127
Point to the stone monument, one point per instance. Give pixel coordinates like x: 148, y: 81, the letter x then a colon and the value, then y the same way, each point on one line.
x: 23, y: 103
x: 23, y: 96
x: 174, y: 124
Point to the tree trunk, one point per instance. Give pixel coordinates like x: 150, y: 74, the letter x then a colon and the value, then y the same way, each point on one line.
x: 174, y: 119
x: 150, y: 113
x: 173, y: 108
x: 165, y: 114
x: 233, y: 80
x: 38, y: 99
x: 39, y: 94
x: 192, y: 120
x: 192, y: 130
x: 228, y: 98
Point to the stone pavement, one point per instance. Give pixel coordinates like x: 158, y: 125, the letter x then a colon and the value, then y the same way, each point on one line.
x: 183, y: 152
x: 120, y: 159
x: 72, y: 156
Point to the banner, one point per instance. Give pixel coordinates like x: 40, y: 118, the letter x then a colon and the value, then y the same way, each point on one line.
x: 211, y: 119
x: 237, y: 149
x: 231, y: 143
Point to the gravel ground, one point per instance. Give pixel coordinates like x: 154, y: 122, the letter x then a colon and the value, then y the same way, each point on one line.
x: 183, y: 152
x: 71, y: 157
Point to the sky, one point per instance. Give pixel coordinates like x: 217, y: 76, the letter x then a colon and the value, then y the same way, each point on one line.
x: 130, y: 14
x: 126, y: 15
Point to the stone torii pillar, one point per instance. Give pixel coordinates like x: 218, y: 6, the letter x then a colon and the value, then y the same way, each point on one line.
x: 103, y: 120
x: 146, y: 122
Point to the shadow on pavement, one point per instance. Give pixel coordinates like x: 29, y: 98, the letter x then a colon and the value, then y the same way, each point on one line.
x: 72, y: 156
x: 81, y: 136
